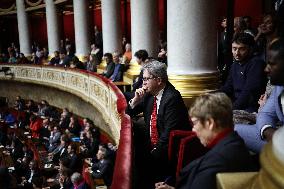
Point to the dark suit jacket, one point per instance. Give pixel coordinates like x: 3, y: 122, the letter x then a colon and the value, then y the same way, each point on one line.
x: 172, y: 115
x: 229, y: 155
x: 139, y: 82
x: 103, y: 170
x: 109, y: 69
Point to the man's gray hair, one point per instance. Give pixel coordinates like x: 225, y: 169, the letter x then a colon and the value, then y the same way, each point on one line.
x: 156, y: 69
x: 76, y: 178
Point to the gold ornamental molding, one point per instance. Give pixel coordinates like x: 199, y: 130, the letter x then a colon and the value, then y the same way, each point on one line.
x: 89, y: 87
x: 33, y: 4
x: 270, y: 176
x: 12, y: 7
x: 192, y: 85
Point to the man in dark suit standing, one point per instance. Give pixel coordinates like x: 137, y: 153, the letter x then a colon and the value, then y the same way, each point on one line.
x: 212, y: 119
x: 164, y: 111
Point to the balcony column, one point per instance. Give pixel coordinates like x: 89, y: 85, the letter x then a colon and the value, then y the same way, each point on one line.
x: 82, y: 35
x: 23, y: 28
x: 111, y: 26
x: 192, y: 46
x: 144, y: 30
x: 53, y: 29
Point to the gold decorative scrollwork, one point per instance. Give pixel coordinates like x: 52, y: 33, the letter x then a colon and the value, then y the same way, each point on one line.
x: 33, y: 4
x: 12, y: 7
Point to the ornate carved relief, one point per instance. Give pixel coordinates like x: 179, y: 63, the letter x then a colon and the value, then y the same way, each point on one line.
x: 90, y: 88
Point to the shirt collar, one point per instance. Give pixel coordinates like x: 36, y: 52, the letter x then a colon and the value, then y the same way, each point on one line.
x: 160, y: 94
x: 219, y: 137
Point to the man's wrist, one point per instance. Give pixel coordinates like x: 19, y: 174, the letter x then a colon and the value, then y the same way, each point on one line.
x: 267, y: 132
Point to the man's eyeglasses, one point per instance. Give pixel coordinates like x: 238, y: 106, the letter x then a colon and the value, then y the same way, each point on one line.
x: 195, y: 121
x: 148, y: 78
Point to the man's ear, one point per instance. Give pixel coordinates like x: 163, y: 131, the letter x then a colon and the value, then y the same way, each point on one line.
x: 211, y: 124
x: 159, y: 80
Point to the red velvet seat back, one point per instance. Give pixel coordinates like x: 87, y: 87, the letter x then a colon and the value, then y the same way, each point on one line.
x: 190, y: 149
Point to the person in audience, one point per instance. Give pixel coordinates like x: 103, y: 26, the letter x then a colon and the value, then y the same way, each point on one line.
x: 35, y: 126
x: 91, y: 64
x: 89, y: 144
x: 35, y: 59
x: 96, y: 53
x: 45, y: 53
x: 74, y: 127
x: 61, y: 150
x: 8, y: 118
x: 239, y: 25
x: 64, y: 119
x: 110, y: 65
x: 141, y: 58
x: 248, y: 28
x: 212, y: 119
x: 89, y: 126
x: 3, y: 58
x: 38, y: 52
x: 162, y: 55
x: 22, y: 167
x: 247, y: 80
x: 56, y: 59
x: 22, y: 59
x: 78, y: 181
x: 75, y: 163
x: 19, y: 104
x: 32, y: 174
x: 163, y: 109
x: 54, y: 138
x: 266, y: 35
x: 118, y: 68
x: 76, y: 63
x: 271, y: 114
x: 64, y: 179
x: 64, y: 60
x: 12, y: 57
x: 31, y: 107
x: 128, y: 53
x: 98, y: 39
x: 102, y: 168
x: 44, y: 109
x: 44, y: 133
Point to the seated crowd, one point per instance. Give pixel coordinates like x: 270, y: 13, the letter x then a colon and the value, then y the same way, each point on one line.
x: 42, y: 147
x: 246, y: 97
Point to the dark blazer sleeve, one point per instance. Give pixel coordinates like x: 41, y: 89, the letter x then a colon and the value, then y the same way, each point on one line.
x: 228, y: 87
x: 139, y: 82
x: 103, y: 168
x: 110, y: 69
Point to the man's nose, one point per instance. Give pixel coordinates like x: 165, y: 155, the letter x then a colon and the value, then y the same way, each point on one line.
x: 267, y: 68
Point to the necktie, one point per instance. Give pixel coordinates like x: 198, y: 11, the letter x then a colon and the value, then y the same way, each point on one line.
x: 154, y: 131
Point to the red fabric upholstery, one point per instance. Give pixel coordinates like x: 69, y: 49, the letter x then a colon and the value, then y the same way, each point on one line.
x: 122, y: 176
x: 190, y: 149
x: 174, y: 144
x: 174, y: 141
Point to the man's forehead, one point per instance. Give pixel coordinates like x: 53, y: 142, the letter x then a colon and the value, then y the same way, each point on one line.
x: 234, y: 44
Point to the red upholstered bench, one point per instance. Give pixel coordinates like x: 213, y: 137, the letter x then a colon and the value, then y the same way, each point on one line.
x: 190, y: 149
x: 174, y: 145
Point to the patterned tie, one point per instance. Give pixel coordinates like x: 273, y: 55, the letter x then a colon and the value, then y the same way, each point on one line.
x: 154, y: 132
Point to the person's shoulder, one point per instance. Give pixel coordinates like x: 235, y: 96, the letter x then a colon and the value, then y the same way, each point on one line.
x: 256, y: 59
x: 232, y: 147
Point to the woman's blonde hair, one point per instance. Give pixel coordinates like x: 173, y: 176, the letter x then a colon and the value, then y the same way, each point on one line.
x: 217, y: 106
